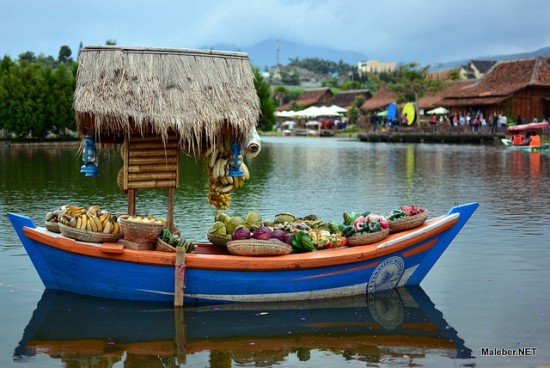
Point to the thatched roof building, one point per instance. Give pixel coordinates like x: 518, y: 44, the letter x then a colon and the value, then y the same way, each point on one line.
x: 195, y: 94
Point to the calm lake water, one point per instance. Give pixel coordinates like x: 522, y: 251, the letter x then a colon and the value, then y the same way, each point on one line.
x: 488, y: 290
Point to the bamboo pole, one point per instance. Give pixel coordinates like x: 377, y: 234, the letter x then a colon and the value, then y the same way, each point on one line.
x: 146, y: 176
x: 179, y: 277
x: 152, y: 160
x: 159, y: 152
x: 152, y: 168
x: 152, y: 184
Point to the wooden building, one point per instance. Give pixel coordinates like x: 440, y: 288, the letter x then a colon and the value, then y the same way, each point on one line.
x: 311, y: 97
x: 513, y: 88
x: 346, y: 98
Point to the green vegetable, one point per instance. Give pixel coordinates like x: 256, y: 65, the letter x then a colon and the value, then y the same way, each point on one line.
x: 374, y: 227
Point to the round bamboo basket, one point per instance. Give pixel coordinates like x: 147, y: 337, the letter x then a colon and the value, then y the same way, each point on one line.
x: 163, y: 246
x: 368, y: 238
x: 52, y: 226
x: 88, y: 236
x: 255, y: 247
x: 140, y: 232
x: 218, y: 240
x: 407, y: 223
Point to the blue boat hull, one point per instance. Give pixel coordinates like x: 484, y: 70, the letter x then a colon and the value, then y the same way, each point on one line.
x: 60, y: 269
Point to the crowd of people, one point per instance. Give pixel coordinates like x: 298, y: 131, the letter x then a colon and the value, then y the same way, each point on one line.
x: 460, y: 122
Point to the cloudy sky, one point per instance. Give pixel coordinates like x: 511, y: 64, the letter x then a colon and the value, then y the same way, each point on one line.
x: 424, y: 31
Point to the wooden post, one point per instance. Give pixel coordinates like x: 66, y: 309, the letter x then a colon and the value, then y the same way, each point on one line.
x: 180, y: 335
x: 132, y: 202
x: 170, y: 216
x: 179, y: 277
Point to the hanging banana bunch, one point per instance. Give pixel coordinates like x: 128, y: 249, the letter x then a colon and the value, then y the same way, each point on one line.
x: 220, y: 184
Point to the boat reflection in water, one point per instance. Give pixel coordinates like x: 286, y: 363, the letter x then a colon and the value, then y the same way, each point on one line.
x: 86, y: 331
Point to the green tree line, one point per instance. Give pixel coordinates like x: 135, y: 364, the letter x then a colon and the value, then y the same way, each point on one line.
x: 36, y: 95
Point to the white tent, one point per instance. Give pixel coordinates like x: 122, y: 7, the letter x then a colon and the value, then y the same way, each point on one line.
x: 338, y: 109
x: 285, y: 114
x: 438, y: 111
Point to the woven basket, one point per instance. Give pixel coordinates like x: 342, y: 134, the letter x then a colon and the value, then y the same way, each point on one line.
x: 255, y: 247
x: 88, y: 236
x: 367, y: 238
x: 407, y: 223
x: 218, y: 240
x: 52, y: 226
x: 163, y: 246
x: 139, y: 232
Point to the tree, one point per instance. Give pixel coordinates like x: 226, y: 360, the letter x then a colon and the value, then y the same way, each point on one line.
x: 279, y: 94
x: 65, y: 54
x: 267, y: 107
x: 410, y: 83
x: 110, y: 42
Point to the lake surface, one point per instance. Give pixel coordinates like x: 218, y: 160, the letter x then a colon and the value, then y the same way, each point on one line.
x: 488, y: 290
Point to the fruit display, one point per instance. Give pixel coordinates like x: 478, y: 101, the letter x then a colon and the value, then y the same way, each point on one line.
x: 405, y: 211
x: 89, y: 219
x: 304, y: 234
x: 148, y: 219
x: 362, y: 222
x: 220, y: 184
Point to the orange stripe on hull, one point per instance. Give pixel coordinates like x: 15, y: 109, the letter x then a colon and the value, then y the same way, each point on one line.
x: 212, y: 257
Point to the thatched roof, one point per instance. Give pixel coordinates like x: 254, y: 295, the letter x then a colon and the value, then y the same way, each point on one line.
x: 196, y: 94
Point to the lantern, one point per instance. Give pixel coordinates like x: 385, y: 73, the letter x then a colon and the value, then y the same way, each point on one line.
x: 89, y: 157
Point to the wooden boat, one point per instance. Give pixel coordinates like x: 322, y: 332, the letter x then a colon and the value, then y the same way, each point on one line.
x: 522, y: 128
x: 142, y: 100
x: 80, y: 329
x: 213, y: 275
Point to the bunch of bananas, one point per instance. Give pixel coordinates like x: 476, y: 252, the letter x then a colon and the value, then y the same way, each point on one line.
x: 91, y: 219
x: 220, y: 184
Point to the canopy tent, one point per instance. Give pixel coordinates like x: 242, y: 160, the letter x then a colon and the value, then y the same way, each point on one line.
x: 285, y: 114
x: 438, y: 111
x: 313, y: 111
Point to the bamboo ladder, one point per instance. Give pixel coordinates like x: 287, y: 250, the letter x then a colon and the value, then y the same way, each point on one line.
x: 150, y: 163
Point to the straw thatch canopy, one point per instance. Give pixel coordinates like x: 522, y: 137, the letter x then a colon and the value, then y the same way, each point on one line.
x: 196, y: 94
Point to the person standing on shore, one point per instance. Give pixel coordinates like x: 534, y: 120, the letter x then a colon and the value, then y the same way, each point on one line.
x: 494, y: 123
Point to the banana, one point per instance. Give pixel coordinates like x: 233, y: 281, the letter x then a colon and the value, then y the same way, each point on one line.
x: 92, y: 223
x: 84, y: 222
x: 223, y: 180
x: 98, y: 224
x: 78, y: 222
x: 244, y: 168
x: 108, y: 227
x: 88, y: 224
x: 221, y: 168
x: 105, y: 218
x: 227, y: 188
x: 230, y: 179
x: 209, y: 151
x: 213, y: 158
x: 215, y: 168
x: 116, y: 228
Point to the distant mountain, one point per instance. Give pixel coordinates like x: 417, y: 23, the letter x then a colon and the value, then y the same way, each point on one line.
x: 545, y: 51
x: 264, y: 54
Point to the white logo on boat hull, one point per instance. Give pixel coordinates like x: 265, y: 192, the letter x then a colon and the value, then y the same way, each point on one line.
x: 386, y: 275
